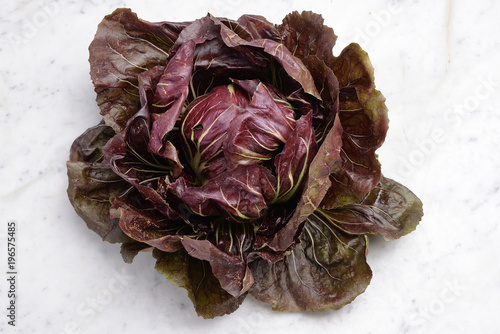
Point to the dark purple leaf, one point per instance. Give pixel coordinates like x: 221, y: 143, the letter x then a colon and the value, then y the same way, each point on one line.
x: 204, y: 128
x: 325, y: 271
x: 390, y: 210
x: 260, y: 129
x: 203, y: 288
x: 326, y: 162
x: 125, y: 46
x: 239, y: 194
x: 363, y: 115
x: 304, y: 34
x: 292, y: 163
x: 328, y: 88
x: 231, y: 270
x: 92, y: 183
x: 293, y: 66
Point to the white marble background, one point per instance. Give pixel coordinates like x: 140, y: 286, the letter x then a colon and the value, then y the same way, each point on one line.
x: 437, y: 63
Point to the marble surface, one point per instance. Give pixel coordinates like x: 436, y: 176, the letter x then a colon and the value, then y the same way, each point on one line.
x: 435, y: 61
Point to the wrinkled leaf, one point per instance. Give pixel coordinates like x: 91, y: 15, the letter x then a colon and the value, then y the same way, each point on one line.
x: 390, y: 210
x: 363, y: 115
x: 304, y: 34
x: 123, y: 47
x: 326, y: 271
x: 148, y: 227
x: 257, y: 27
x: 92, y: 183
x: 397, y: 201
x: 194, y: 275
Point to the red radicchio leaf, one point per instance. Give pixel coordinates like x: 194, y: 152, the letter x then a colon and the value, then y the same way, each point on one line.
x: 390, y: 210
x: 326, y: 161
x: 254, y: 134
x: 292, y: 163
x: 363, y: 115
x: 125, y: 46
x: 204, y: 128
x: 147, y: 227
x: 231, y: 270
x: 305, y: 35
x: 239, y: 194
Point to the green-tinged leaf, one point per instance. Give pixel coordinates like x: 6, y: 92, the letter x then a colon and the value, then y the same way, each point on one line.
x: 230, y: 269
x: 123, y: 47
x: 304, y: 34
x: 397, y: 201
x: 194, y: 275
x: 92, y: 182
x: 363, y: 116
x: 353, y: 68
x: 129, y: 250
x: 390, y: 210
x: 326, y: 271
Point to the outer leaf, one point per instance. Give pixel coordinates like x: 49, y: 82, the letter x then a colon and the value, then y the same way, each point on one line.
x: 304, y: 35
x: 230, y: 269
x: 92, y: 182
x: 125, y: 46
x: 398, y: 202
x: 148, y: 227
x: 128, y: 155
x: 363, y: 115
x: 204, y: 290
x: 390, y: 210
x: 324, y: 115
x: 327, y: 270
x: 258, y: 27
x: 129, y: 250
